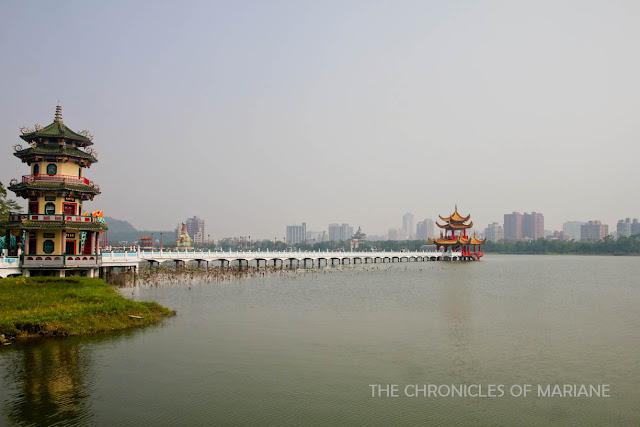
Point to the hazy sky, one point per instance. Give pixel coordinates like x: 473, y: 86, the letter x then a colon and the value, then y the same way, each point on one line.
x: 255, y: 115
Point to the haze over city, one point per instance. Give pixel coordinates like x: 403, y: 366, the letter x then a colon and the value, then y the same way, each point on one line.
x: 256, y: 115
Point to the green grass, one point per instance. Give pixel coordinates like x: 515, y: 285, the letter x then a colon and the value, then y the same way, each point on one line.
x: 69, y: 306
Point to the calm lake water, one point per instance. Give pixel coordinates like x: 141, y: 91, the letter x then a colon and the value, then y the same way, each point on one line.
x: 303, y: 349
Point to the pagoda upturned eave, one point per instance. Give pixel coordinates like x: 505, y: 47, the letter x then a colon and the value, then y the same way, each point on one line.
x: 455, y: 217
x: 57, y: 131
x: 457, y: 240
x: 53, y: 186
x: 455, y: 226
x: 44, y: 153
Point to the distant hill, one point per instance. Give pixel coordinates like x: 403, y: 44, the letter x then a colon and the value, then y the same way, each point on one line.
x: 123, y: 231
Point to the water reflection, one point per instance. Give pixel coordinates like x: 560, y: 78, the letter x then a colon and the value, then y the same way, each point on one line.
x: 457, y: 317
x: 49, y: 379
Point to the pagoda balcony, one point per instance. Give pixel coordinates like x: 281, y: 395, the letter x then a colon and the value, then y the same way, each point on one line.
x: 56, y: 178
x: 60, y: 261
x: 19, y: 217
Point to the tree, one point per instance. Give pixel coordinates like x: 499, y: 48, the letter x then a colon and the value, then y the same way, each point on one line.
x: 6, y: 206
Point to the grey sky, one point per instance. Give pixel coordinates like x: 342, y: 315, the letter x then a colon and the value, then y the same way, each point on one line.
x: 255, y: 115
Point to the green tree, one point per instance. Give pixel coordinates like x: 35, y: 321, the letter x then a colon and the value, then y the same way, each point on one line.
x: 6, y: 206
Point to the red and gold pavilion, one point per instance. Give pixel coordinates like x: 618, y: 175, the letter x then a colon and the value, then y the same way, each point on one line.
x: 469, y: 247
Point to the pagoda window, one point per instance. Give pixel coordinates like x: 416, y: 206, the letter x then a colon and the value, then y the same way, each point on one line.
x: 48, y: 246
x: 52, y: 169
x: 49, y: 209
x: 33, y: 207
x: 36, y: 169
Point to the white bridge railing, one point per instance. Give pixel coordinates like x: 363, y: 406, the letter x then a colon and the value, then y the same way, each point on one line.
x: 12, y: 265
x: 129, y: 258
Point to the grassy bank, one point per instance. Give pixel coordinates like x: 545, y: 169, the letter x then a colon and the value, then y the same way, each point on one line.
x: 69, y: 306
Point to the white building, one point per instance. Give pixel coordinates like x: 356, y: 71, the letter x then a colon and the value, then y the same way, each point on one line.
x: 572, y: 229
x: 425, y: 229
x: 494, y: 232
x: 195, y: 228
x: 407, y: 225
x: 340, y: 232
x: 296, y: 233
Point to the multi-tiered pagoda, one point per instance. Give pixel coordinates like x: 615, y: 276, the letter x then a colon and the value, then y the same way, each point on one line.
x: 54, y: 236
x: 455, y: 239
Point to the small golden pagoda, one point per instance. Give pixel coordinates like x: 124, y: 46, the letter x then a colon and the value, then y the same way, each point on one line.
x: 470, y: 247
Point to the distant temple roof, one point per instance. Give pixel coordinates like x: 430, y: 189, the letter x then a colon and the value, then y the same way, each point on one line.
x: 455, y: 217
x: 455, y: 221
x: 454, y: 226
x: 57, y: 129
x: 359, y: 235
x: 457, y: 240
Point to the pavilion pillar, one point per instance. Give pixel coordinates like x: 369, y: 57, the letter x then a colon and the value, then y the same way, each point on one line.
x: 93, y: 242
x: 7, y: 242
x: 63, y: 242
x: 27, y: 237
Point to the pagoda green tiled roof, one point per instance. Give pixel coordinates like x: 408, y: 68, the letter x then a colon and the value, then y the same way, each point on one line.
x: 54, y: 225
x: 57, y: 151
x: 57, y: 130
x: 53, y: 186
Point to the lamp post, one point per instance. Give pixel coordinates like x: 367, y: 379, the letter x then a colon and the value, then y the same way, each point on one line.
x: 161, y: 240
x: 209, y: 241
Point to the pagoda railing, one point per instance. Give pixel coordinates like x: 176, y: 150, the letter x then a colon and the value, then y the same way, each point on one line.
x: 56, y: 178
x: 13, y: 217
x: 59, y: 261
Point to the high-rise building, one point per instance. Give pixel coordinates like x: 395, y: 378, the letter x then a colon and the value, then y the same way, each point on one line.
x: 315, y: 236
x: 296, y: 233
x: 340, y: 232
x: 195, y: 228
x: 494, y: 232
x: 558, y: 235
x: 635, y: 227
x: 513, y: 226
x: 425, y: 229
x: 572, y: 229
x: 533, y: 226
x: 593, y: 231
x: 623, y: 229
x: 407, y: 225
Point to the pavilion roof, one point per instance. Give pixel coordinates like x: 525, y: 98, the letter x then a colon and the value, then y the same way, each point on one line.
x: 57, y: 129
x: 55, y: 185
x: 454, y: 226
x: 455, y: 217
x: 54, y: 225
x: 55, y: 151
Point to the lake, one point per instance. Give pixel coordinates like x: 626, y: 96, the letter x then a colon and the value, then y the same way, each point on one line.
x: 330, y: 346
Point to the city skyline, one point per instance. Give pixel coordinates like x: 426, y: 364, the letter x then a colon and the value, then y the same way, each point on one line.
x: 536, y: 97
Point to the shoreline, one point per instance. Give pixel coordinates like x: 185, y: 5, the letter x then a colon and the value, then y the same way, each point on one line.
x: 36, y: 307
